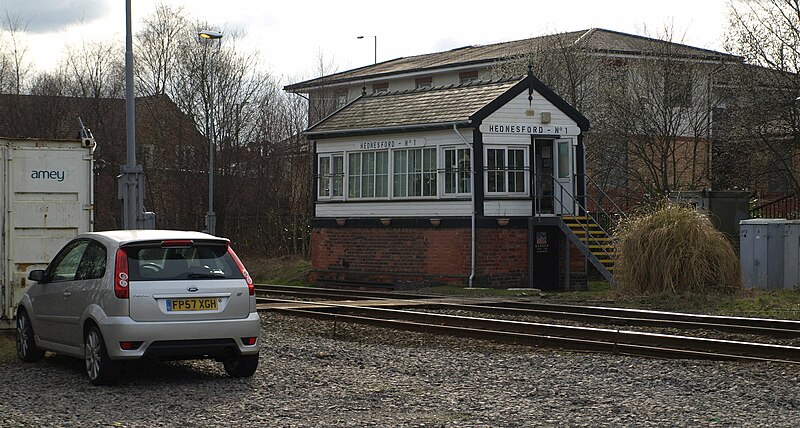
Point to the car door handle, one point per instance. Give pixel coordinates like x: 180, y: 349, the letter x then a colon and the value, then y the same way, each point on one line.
x: 66, y: 294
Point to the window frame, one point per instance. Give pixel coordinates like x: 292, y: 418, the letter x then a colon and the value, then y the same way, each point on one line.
x: 374, y: 175
x: 465, y: 77
x: 445, y: 172
x: 378, y: 88
x: 505, y: 170
x: 341, y: 97
x: 423, y: 82
x: 423, y: 172
x: 330, y: 176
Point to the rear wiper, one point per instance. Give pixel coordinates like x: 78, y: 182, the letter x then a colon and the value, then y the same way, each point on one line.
x: 206, y: 275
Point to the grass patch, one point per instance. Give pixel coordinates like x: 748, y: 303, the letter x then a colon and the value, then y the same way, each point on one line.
x: 281, y: 271
x: 598, y: 290
x: 783, y: 304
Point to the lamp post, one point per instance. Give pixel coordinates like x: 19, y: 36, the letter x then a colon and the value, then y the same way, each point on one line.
x: 375, y: 39
x: 207, y: 37
x: 131, y: 179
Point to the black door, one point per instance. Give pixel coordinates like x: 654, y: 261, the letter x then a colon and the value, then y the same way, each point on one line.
x: 544, y: 257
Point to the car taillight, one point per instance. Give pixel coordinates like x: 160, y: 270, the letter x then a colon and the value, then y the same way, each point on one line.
x: 121, y: 275
x: 250, y: 288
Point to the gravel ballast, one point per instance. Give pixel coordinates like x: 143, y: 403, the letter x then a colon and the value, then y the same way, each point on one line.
x: 320, y: 373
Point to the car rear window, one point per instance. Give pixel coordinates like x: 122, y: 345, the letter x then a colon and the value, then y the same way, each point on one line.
x: 194, y: 262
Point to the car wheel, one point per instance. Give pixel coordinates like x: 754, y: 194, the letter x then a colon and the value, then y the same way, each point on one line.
x: 241, y: 366
x: 100, y: 369
x: 26, y: 344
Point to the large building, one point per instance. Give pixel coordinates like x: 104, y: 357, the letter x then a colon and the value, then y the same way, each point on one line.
x: 652, y: 105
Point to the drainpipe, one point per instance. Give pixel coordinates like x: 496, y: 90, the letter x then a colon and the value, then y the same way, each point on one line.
x: 472, y: 188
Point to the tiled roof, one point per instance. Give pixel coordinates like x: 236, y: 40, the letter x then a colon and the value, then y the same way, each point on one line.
x: 419, y: 107
x: 594, y: 40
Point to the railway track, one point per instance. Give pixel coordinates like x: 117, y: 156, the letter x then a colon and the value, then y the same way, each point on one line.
x: 362, y: 308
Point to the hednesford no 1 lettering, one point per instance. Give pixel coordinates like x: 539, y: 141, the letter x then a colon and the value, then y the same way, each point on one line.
x: 371, y: 145
x: 516, y: 129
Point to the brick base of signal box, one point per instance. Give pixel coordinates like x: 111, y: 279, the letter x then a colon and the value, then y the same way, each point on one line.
x: 409, y: 253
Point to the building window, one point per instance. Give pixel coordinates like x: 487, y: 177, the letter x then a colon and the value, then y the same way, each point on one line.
x: 467, y: 76
x: 331, y: 176
x: 457, y: 171
x: 368, y: 175
x: 506, y: 170
x: 423, y: 82
x: 563, y: 159
x: 380, y: 87
x: 341, y: 99
x: 677, y: 85
x: 414, y: 173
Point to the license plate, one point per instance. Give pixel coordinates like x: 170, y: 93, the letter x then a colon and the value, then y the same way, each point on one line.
x: 192, y: 304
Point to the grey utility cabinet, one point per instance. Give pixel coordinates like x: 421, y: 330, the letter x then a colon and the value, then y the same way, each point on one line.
x: 761, y: 253
x: 791, y: 254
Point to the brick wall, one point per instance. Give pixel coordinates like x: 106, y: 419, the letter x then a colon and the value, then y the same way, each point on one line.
x: 502, y: 257
x: 404, y: 257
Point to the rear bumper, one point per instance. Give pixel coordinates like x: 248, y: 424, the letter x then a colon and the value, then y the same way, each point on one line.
x: 181, y: 339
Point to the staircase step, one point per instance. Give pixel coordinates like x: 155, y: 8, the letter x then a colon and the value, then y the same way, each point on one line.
x: 591, y: 232
x: 575, y: 217
x: 583, y: 225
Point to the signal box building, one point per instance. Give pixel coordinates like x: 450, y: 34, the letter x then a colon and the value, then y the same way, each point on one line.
x: 471, y: 184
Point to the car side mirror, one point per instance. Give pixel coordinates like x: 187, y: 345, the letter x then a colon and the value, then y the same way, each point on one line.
x: 36, y: 275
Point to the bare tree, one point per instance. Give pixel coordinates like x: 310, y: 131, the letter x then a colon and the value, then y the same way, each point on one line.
x: 260, y: 159
x: 95, y: 70
x: 650, y: 113
x: 14, y: 27
x: 762, y: 111
x: 158, y: 47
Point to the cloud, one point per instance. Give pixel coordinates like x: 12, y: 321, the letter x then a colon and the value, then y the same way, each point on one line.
x: 47, y: 16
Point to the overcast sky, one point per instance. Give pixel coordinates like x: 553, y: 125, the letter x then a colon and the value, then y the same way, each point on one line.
x: 291, y: 35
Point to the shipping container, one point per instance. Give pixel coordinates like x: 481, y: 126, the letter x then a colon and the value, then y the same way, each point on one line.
x: 47, y: 200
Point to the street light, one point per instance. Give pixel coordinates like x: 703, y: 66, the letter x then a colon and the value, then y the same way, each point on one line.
x: 207, y: 37
x: 376, y: 46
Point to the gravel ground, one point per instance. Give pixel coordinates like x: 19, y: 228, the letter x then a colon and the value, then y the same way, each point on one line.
x: 315, y: 373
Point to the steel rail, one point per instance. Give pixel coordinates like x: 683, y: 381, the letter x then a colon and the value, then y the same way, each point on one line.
x: 766, y: 323
x: 624, y: 317
x: 572, y: 337
x: 336, y: 292
x: 592, y: 314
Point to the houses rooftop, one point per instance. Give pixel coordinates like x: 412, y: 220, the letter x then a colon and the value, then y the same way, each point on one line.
x: 595, y: 40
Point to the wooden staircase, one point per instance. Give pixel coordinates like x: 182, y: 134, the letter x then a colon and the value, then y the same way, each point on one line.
x: 593, y: 241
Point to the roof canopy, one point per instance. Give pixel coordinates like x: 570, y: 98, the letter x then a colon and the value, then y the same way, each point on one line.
x: 464, y: 105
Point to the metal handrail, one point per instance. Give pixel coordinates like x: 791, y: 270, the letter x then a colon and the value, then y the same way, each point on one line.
x: 589, y: 238
x: 603, y: 195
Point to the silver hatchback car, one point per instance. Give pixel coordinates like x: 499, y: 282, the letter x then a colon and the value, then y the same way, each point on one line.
x: 131, y: 294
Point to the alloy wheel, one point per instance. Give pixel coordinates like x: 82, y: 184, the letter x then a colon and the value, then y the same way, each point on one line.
x: 22, y: 336
x: 93, y: 355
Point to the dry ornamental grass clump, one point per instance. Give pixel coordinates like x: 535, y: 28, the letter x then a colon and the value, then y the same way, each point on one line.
x: 674, y: 250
